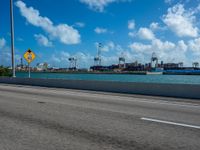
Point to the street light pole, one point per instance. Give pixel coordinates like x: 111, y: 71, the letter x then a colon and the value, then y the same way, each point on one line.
x: 12, y: 38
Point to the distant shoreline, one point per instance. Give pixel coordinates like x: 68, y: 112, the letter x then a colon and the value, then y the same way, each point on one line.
x: 116, y: 73
x: 87, y: 72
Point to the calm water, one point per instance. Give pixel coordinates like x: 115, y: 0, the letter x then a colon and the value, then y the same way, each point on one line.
x: 185, y: 79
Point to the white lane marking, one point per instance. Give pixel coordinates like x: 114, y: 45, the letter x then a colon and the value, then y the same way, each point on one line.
x: 171, y: 123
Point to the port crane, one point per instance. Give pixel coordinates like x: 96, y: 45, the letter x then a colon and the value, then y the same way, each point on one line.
x: 154, y: 58
x: 195, y: 64
x: 122, y: 61
x: 73, y: 63
x: 180, y: 64
x: 97, y: 59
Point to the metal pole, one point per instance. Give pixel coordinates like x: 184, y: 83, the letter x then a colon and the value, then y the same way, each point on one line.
x: 12, y: 38
x: 29, y: 71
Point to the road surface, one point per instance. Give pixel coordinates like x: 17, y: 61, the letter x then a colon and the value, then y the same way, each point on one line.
x: 36, y: 118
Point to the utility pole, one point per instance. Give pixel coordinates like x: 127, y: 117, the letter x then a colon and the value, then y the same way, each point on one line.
x: 12, y: 39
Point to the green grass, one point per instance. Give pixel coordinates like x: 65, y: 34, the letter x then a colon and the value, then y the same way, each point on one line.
x: 4, y: 71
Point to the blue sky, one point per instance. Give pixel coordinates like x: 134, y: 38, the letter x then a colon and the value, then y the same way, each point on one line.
x: 58, y: 29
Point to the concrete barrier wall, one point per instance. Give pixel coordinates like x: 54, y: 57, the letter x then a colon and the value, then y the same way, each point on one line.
x: 157, y: 89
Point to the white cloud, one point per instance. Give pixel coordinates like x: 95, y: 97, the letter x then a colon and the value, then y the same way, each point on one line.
x: 79, y: 24
x: 181, y: 21
x: 163, y: 46
x: 99, y: 30
x: 43, y: 40
x: 132, y: 34
x: 156, y: 45
x: 20, y: 39
x: 60, y: 59
x: 99, y: 5
x: 165, y: 50
x: 146, y: 34
x: 154, y: 26
x: 181, y: 45
x: 2, y: 42
x: 195, y: 10
x: 139, y: 47
x: 84, y: 59
x: 5, y: 53
x: 65, y: 33
x: 194, y: 45
x: 54, y: 59
x: 108, y: 46
x: 131, y: 24
x: 168, y: 1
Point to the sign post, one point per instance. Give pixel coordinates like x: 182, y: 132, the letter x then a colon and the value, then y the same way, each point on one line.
x: 12, y: 38
x: 29, y: 71
x: 29, y: 56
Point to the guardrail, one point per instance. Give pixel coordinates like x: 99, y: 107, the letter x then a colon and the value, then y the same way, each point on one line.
x: 157, y: 89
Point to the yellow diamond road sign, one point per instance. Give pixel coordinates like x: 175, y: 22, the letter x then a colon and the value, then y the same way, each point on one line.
x: 29, y: 56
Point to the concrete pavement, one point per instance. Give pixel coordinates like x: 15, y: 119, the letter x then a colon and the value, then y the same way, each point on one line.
x: 36, y: 118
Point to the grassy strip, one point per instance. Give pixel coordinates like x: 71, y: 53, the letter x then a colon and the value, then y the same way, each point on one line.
x: 4, y: 71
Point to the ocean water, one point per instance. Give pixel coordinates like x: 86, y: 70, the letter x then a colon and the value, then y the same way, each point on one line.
x: 174, y: 79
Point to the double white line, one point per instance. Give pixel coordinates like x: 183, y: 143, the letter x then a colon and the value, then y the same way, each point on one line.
x: 171, y: 123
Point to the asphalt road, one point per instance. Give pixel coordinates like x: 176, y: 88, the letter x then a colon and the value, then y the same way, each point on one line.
x: 36, y: 118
